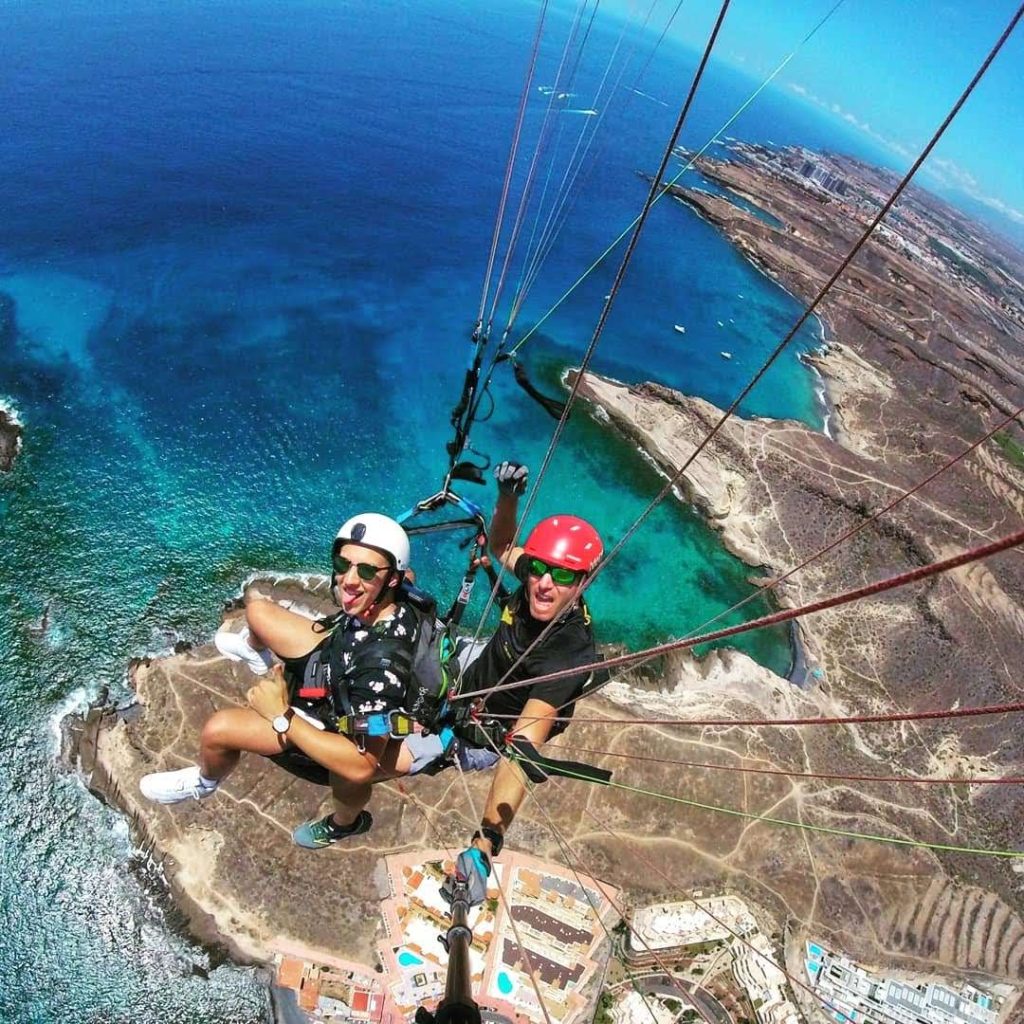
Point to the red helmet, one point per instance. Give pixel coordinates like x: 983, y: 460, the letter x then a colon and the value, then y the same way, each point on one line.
x: 567, y: 541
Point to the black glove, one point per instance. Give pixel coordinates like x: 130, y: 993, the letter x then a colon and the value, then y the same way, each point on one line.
x: 473, y: 867
x: 512, y: 477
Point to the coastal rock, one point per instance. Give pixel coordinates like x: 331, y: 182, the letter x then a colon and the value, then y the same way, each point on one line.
x: 229, y: 859
x: 10, y: 425
x: 10, y: 438
x: 723, y: 680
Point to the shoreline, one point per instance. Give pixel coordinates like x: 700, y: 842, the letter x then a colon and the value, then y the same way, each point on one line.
x: 12, y: 430
x: 825, y: 330
x: 601, y: 415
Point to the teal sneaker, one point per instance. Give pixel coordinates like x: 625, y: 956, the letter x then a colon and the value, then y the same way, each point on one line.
x: 318, y: 835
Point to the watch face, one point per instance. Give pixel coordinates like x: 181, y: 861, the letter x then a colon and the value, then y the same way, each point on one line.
x: 281, y: 723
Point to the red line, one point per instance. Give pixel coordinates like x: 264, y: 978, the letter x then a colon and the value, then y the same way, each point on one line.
x: 952, y: 780
x: 787, y: 614
x: 899, y: 716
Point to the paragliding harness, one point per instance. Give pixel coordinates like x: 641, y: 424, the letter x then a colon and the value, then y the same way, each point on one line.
x: 425, y: 667
x: 471, y: 725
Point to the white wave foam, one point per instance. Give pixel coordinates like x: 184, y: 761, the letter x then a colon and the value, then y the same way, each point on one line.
x: 11, y: 411
x: 77, y: 702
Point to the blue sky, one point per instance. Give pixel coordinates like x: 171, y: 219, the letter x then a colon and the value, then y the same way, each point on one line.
x: 892, y: 69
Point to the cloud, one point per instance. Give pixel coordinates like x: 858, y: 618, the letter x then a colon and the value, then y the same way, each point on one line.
x: 850, y: 118
x: 1010, y: 212
x: 952, y: 175
x: 945, y: 171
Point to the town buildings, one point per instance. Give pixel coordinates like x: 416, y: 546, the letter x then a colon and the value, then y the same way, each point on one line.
x: 549, y: 942
x: 853, y: 994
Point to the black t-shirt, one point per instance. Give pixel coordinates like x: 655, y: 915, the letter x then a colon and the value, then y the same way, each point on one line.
x: 569, y: 643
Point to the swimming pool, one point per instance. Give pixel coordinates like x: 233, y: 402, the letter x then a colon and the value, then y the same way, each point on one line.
x: 813, y: 950
x: 505, y: 984
x: 407, y: 959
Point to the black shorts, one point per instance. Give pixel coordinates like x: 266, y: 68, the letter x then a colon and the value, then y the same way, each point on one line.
x: 302, y: 766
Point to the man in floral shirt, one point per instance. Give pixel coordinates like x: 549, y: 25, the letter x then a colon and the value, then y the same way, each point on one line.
x: 324, y: 714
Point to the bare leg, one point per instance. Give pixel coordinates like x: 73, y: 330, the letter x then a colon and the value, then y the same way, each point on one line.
x: 286, y: 633
x: 351, y: 797
x: 229, y: 732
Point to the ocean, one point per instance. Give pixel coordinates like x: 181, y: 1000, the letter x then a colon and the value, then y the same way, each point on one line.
x: 244, y: 247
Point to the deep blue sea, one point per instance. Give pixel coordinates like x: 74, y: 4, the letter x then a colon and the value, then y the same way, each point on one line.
x: 245, y: 243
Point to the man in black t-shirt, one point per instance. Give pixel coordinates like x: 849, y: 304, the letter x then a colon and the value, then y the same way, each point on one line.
x: 568, y: 643
x: 544, y: 628
x: 546, y: 624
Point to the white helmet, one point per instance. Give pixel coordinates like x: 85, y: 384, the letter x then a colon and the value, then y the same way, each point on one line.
x: 373, y: 530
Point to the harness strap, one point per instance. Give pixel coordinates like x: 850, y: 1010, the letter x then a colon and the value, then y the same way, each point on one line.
x: 492, y: 734
x: 395, y: 724
x: 383, y: 652
x: 478, y: 732
x: 539, y: 768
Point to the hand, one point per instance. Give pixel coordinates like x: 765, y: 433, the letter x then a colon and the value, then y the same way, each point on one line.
x: 269, y: 697
x: 512, y: 477
x: 472, y: 867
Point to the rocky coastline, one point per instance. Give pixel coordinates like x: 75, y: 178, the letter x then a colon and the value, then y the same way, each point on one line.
x: 11, y: 431
x: 901, y: 402
x: 777, y: 492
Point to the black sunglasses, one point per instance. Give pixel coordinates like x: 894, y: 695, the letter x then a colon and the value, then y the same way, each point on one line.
x: 366, y: 571
x: 559, y: 574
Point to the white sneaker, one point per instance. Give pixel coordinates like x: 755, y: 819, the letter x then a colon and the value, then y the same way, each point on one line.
x: 173, y: 787
x: 235, y: 647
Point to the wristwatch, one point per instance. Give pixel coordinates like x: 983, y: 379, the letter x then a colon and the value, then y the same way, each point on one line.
x: 282, y: 723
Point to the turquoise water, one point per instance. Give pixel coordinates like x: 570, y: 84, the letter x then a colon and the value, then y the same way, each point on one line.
x: 505, y: 985
x: 242, y: 252
x: 407, y: 959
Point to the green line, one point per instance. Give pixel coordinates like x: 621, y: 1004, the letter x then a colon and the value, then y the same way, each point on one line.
x: 714, y: 138
x: 893, y: 840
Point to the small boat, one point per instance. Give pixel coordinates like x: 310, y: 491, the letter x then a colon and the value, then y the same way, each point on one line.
x: 725, y: 355
x: 720, y: 324
x: 679, y: 328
